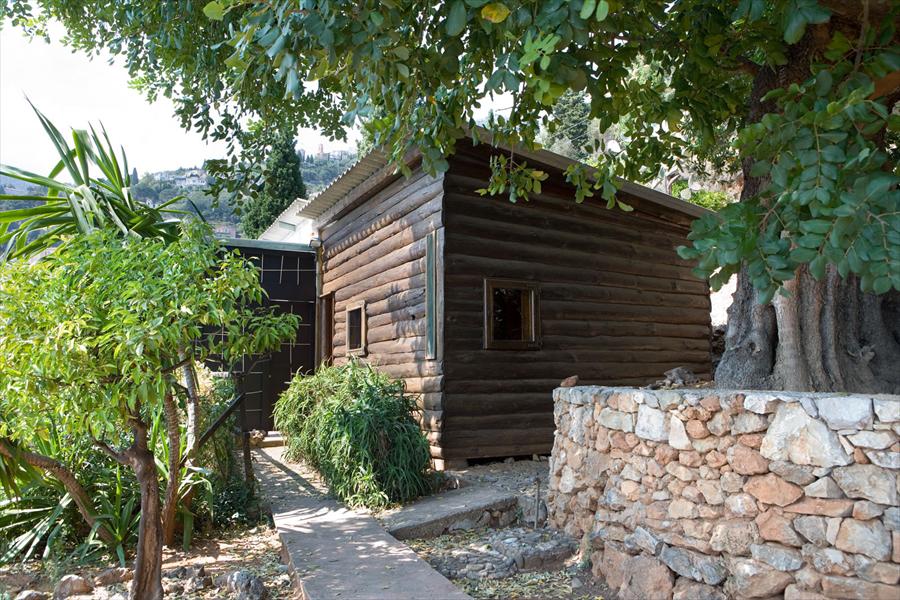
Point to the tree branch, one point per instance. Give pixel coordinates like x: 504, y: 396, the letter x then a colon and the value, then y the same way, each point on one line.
x: 64, y: 476
x: 117, y: 456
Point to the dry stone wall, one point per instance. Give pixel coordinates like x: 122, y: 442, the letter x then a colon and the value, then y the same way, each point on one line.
x: 707, y: 494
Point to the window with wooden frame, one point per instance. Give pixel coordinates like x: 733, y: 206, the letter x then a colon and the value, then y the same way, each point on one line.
x: 511, y: 315
x: 356, y: 328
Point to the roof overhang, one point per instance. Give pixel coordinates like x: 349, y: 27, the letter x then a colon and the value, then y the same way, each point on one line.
x: 375, y: 168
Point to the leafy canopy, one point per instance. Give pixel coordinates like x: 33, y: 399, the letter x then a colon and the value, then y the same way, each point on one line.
x: 91, y: 334
x: 417, y: 72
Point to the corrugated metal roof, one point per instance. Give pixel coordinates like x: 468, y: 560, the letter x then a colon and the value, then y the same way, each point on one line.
x: 356, y: 174
x: 375, y: 164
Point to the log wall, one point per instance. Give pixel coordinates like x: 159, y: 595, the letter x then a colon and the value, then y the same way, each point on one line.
x: 617, y: 305
x: 375, y: 251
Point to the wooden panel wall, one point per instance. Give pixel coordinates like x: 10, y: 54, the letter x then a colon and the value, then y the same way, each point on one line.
x: 617, y: 305
x: 376, y: 252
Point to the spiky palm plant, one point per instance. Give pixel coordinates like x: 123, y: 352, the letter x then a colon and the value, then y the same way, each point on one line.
x: 96, y: 195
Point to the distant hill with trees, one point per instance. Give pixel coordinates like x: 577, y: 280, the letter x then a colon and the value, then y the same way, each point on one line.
x: 317, y: 171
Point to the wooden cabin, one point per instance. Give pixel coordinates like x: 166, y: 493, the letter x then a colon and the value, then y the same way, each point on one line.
x: 483, y: 306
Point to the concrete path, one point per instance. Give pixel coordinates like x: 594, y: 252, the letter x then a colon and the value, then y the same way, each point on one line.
x: 448, y: 511
x: 335, y: 552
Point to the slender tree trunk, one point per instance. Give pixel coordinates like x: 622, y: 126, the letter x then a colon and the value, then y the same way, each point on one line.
x: 64, y: 476
x: 192, y: 427
x: 170, y: 506
x: 825, y: 335
x: 147, y: 584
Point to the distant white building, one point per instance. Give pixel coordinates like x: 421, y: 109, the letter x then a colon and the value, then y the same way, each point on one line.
x: 188, y: 178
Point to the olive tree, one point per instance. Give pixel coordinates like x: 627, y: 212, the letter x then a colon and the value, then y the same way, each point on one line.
x: 91, y: 338
x: 802, y: 90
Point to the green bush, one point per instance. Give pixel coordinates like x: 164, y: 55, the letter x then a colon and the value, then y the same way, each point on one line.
x: 355, y: 426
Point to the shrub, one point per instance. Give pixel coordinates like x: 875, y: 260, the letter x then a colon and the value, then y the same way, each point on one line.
x: 355, y: 426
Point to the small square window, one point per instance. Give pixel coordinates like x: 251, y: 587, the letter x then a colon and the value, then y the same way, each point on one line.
x: 356, y: 328
x: 511, y: 315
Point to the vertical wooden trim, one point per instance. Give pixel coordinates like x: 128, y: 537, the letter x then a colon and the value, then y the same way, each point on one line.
x: 439, y: 294
x: 325, y: 337
x: 430, y: 296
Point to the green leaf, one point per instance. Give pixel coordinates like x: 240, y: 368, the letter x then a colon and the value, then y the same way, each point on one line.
x: 815, y: 226
x: 817, y: 267
x: 495, y: 12
x: 214, y: 10
x: 795, y: 27
x: 587, y: 9
x: 456, y: 22
x: 881, y: 285
x: 824, y: 81
x: 602, y: 10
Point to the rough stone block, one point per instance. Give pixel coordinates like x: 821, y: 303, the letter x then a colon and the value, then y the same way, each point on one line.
x: 829, y: 561
x: 864, y: 537
x: 845, y: 412
x: 848, y: 588
x: 887, y: 408
x: 747, y: 422
x: 823, y: 488
x: 772, y: 489
x: 761, y: 403
x: 775, y: 527
x: 876, y: 440
x: 864, y: 510
x: 821, y: 506
x: 778, y: 557
x: 747, y: 461
x: 678, y: 437
x: 646, y: 578
x: 753, y: 579
x: 794, y: 473
x: 614, y: 419
x: 795, y: 592
x: 652, y: 424
x: 687, y: 589
x: 735, y: 536
x: 796, y: 437
x: 694, y: 565
x: 869, y: 482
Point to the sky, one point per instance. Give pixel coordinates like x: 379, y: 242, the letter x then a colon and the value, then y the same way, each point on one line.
x: 74, y: 90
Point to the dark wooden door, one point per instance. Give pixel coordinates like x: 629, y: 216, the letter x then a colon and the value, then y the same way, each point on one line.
x: 288, y: 274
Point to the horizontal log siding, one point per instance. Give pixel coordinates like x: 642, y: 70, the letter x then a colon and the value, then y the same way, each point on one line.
x: 375, y: 252
x: 618, y: 306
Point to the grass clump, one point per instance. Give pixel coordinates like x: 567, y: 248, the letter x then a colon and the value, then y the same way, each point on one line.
x: 355, y: 426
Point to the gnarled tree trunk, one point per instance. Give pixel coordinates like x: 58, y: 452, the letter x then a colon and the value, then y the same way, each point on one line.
x: 825, y: 335
x: 147, y: 584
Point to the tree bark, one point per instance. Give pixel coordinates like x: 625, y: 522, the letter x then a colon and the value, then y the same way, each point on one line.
x: 147, y: 584
x: 170, y: 506
x: 825, y: 335
x: 67, y: 478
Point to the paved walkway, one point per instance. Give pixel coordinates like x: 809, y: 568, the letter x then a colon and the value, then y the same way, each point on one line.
x: 336, y: 553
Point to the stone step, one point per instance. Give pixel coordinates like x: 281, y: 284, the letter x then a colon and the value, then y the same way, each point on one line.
x: 272, y: 440
x: 465, y: 508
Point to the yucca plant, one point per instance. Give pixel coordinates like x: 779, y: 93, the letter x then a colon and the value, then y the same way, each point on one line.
x: 94, y: 193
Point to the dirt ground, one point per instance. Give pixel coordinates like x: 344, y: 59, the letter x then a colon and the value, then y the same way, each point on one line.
x: 253, y: 549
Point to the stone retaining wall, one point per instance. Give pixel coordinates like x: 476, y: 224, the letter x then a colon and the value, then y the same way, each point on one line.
x: 697, y: 494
